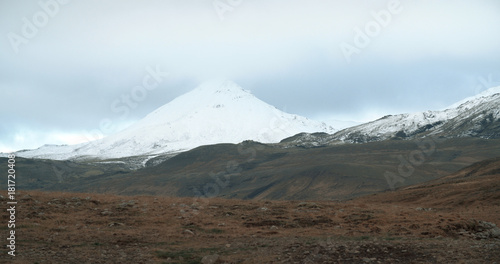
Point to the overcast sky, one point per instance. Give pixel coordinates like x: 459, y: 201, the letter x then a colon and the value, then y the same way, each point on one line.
x: 68, y: 67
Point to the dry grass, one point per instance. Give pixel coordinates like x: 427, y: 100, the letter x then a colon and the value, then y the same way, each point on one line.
x: 97, y: 228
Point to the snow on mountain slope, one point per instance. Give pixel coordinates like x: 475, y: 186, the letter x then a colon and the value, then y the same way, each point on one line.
x: 218, y: 111
x: 477, y: 117
x: 474, y: 116
x: 49, y: 151
x: 476, y: 99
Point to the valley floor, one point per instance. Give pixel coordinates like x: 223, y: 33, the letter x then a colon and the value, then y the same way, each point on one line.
x: 97, y: 228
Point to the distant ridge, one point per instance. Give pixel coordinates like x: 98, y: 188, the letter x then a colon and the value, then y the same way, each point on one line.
x: 476, y: 116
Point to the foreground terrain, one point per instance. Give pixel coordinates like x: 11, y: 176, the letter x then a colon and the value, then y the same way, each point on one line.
x: 449, y: 220
x: 76, y: 228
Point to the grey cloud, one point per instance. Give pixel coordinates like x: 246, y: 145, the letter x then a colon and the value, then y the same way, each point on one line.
x: 90, y: 53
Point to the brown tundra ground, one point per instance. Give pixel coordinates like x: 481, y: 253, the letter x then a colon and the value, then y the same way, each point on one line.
x: 97, y: 228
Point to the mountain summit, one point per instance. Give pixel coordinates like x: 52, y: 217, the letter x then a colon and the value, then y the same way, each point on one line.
x: 218, y: 111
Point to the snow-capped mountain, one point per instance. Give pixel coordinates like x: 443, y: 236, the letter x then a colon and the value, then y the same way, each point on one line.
x: 218, y: 111
x: 476, y: 116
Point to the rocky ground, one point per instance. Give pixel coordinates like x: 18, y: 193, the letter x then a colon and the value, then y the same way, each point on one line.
x: 96, y: 228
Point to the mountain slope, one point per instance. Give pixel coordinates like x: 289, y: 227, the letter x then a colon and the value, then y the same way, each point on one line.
x: 252, y: 170
x: 477, y: 116
x: 477, y: 184
x: 216, y: 112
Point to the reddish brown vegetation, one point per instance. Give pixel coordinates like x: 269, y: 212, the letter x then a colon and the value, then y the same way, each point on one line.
x: 450, y: 220
x: 90, y: 228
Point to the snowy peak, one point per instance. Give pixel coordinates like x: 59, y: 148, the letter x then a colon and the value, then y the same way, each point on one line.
x: 221, y: 112
x: 218, y: 111
x: 220, y: 86
x: 215, y: 94
x: 217, y: 91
